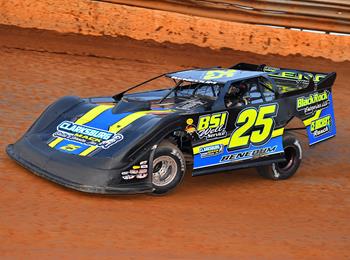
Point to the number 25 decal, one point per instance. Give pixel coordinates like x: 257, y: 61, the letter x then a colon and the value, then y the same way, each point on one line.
x: 259, y: 120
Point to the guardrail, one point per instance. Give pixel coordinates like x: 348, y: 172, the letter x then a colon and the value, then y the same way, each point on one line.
x: 320, y: 15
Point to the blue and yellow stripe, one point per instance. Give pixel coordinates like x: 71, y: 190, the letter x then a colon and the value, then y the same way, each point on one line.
x: 88, y: 117
x: 100, y: 117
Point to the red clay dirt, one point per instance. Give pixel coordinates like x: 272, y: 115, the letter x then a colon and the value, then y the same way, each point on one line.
x: 227, y: 215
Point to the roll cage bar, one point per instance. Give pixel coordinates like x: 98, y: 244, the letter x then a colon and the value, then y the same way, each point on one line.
x: 119, y: 96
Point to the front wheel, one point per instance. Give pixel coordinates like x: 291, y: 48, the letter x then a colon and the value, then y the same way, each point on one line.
x: 169, y: 167
x: 286, y: 169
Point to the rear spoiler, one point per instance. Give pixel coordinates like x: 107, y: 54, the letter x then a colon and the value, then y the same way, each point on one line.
x: 319, y: 80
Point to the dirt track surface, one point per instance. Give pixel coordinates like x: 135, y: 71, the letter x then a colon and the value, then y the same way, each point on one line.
x: 227, y: 215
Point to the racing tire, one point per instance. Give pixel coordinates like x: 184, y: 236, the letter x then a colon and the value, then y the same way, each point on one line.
x: 286, y: 169
x: 169, y: 167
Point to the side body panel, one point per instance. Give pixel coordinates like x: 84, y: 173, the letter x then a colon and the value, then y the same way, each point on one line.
x: 253, y: 135
x: 238, y: 137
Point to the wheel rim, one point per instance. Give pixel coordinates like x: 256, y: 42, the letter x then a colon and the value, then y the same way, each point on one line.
x: 164, y: 170
x: 290, y: 154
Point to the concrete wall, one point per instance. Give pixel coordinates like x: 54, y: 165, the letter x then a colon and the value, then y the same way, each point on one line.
x: 100, y: 18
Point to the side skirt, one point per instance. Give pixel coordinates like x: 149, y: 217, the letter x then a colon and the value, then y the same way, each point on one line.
x: 231, y: 166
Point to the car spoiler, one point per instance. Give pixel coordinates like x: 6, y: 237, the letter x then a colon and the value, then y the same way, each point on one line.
x: 318, y: 80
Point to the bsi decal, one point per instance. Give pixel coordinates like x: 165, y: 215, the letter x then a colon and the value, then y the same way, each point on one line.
x: 212, y: 126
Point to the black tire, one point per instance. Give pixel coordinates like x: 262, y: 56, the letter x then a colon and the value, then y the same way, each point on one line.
x: 284, y: 170
x: 168, y: 159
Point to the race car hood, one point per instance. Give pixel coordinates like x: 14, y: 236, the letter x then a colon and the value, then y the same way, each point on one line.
x: 87, y: 146
x: 100, y: 130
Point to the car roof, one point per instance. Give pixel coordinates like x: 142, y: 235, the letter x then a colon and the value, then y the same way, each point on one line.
x: 214, y: 75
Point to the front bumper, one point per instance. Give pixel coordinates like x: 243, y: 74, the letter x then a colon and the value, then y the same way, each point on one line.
x: 90, y: 175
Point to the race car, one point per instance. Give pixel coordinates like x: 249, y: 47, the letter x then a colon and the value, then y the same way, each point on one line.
x: 209, y: 120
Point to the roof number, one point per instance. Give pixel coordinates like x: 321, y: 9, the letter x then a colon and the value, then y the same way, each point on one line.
x: 217, y: 74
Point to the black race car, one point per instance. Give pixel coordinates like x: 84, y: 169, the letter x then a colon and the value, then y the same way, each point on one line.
x: 212, y: 120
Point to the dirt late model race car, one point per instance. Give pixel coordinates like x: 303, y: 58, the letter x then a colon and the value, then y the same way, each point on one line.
x: 211, y: 120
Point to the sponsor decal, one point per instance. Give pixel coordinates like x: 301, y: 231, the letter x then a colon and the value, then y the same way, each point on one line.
x: 270, y: 69
x: 190, y: 128
x: 293, y: 75
x: 249, y: 154
x: 137, y: 171
x: 128, y: 177
x: 321, y: 126
x: 212, y: 126
x: 87, y: 135
x: 142, y: 174
x: 211, y: 150
x: 313, y: 102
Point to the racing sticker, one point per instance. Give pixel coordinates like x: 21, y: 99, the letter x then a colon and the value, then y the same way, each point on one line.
x: 321, y: 126
x: 136, y: 172
x: 311, y: 103
x: 253, y: 126
x: 211, y: 150
x: 212, y: 126
x: 87, y: 135
x: 249, y: 154
x: 293, y: 74
x: 190, y: 128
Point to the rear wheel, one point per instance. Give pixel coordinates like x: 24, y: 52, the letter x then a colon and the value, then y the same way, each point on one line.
x: 286, y: 169
x: 169, y: 167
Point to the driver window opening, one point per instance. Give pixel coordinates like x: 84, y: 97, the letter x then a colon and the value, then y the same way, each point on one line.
x: 252, y: 91
x: 208, y: 91
x: 266, y: 89
x: 235, y: 96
